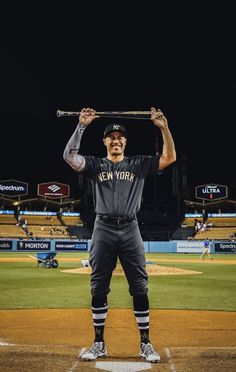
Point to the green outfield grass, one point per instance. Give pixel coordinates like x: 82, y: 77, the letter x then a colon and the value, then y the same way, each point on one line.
x: 23, y: 285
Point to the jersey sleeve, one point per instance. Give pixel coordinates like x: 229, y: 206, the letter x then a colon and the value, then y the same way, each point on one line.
x: 90, y: 166
x: 151, y: 164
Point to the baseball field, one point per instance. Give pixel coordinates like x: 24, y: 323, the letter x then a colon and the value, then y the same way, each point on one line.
x: 46, y: 321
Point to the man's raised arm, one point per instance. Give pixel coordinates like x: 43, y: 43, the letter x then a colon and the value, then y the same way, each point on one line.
x: 168, y: 151
x: 70, y: 155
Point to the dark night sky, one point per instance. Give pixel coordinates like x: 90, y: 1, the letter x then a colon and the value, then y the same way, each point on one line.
x: 115, y: 55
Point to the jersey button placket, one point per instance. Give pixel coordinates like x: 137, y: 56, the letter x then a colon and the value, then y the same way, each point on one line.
x: 116, y: 206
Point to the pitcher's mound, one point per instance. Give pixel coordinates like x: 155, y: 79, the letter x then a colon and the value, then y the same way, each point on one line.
x: 152, y: 269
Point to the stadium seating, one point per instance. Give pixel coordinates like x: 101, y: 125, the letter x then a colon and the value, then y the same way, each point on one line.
x: 11, y: 231
x: 49, y: 232
x: 7, y: 219
x: 222, y: 221
x: 216, y: 233
x: 72, y: 220
x: 42, y: 220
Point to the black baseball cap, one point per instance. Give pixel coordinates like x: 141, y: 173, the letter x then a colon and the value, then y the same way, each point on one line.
x: 115, y: 128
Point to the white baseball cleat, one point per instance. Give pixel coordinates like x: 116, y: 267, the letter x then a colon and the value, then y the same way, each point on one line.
x: 148, y: 353
x: 97, y: 350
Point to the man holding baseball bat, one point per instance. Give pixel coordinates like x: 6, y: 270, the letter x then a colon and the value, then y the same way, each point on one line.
x: 118, y: 183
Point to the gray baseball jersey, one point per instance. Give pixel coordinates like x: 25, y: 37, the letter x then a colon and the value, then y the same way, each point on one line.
x: 118, y: 187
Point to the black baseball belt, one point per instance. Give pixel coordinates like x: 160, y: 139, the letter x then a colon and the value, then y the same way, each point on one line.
x: 116, y: 220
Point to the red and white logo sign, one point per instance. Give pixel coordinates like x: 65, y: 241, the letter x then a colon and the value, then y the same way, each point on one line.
x: 53, y: 190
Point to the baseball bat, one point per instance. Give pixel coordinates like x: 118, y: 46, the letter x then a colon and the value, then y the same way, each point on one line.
x: 142, y: 115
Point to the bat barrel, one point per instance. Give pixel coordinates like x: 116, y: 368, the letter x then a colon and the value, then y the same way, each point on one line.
x: 67, y: 113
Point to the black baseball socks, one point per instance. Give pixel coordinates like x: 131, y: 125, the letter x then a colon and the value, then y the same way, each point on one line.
x: 99, y: 311
x: 141, y: 312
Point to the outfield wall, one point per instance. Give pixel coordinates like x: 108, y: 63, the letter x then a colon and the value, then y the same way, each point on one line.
x: 176, y: 246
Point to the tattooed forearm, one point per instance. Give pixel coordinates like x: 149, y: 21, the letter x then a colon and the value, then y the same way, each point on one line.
x: 70, y: 155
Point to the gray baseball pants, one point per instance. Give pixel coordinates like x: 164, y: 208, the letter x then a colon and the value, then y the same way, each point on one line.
x: 109, y: 242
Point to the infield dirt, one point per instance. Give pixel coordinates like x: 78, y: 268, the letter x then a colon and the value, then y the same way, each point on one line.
x: 51, y: 340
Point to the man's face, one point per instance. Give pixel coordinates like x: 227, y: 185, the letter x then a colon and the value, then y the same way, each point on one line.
x: 115, y: 143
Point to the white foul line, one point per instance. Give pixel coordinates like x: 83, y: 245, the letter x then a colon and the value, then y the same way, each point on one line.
x: 205, y: 347
x: 2, y: 343
x: 77, y: 360
x: 172, y: 366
